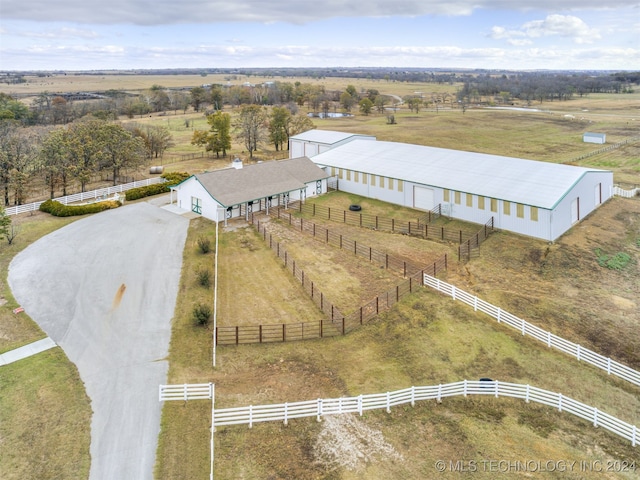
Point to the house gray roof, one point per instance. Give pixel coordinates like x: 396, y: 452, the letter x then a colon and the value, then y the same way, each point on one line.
x: 232, y: 186
x: 327, y: 137
x: 529, y: 182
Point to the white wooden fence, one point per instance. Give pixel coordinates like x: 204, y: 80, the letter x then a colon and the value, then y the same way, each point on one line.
x: 625, y: 193
x: 550, y: 340
x: 332, y: 406
x: 84, y: 196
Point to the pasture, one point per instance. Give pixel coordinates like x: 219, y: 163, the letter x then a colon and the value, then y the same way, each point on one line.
x: 426, y: 339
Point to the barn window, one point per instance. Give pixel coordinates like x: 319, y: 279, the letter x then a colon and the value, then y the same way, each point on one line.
x: 506, y: 208
x: 333, y: 171
x: 355, y: 177
x: 349, y: 175
x: 445, y: 196
x: 494, y: 205
x: 381, y: 180
x: 469, y: 200
x: 373, y: 180
x: 400, y: 185
x: 340, y: 174
x: 480, y: 203
x: 534, y: 213
x: 390, y: 184
x: 364, y: 178
x: 457, y: 198
x: 519, y: 210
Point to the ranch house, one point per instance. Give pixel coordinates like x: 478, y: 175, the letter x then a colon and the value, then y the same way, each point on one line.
x: 241, y: 189
x: 537, y: 199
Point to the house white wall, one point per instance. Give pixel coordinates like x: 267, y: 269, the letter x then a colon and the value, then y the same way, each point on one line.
x: 192, y: 188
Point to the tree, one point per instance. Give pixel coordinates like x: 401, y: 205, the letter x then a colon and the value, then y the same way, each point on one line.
x: 54, y: 160
x: 347, y: 101
x: 250, y: 127
x: 5, y: 225
x: 120, y: 149
x: 279, y: 121
x: 157, y: 139
x: 18, y: 154
x: 198, y: 97
x: 86, y: 148
x: 366, y: 106
x: 218, y: 137
x: 300, y: 123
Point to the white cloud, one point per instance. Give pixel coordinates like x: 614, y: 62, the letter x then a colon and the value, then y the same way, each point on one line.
x: 165, y: 12
x: 567, y: 26
x: 61, y: 33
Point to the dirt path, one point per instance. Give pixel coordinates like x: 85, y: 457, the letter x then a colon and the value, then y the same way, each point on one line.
x: 104, y: 289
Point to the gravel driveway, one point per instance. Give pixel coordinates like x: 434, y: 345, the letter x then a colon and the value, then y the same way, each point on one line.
x: 104, y: 288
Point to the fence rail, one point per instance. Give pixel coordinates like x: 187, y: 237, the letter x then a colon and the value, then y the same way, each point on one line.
x: 550, y: 340
x: 332, y: 406
x: 101, y: 193
x: 626, y: 193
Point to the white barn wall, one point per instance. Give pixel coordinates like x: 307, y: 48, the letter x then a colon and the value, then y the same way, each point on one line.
x: 192, y: 188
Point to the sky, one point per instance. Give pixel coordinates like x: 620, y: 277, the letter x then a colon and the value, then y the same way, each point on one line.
x: 490, y: 34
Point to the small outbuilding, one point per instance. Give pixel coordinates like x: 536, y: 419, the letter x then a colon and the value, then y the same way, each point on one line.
x: 240, y: 190
x: 314, y: 142
x: 590, y: 137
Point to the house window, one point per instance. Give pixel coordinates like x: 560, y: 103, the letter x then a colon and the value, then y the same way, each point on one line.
x: 480, y: 203
x: 457, y: 198
x: 364, y: 178
x: 355, y: 177
x: 469, y: 200
x: 445, y: 196
x: 519, y: 210
x: 400, y: 185
x: 196, y: 205
x: 506, y: 208
x: 494, y: 205
x: 349, y: 175
x: 534, y: 213
x: 381, y: 182
x: 390, y: 184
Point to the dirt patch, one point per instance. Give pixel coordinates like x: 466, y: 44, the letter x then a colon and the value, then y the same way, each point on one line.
x: 118, y: 298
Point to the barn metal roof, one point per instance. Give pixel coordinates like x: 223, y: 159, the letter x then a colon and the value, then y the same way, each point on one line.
x: 231, y: 186
x: 529, y: 182
x: 327, y: 137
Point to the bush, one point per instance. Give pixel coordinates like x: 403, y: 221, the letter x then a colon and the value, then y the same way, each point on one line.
x: 171, y: 179
x: 57, y: 209
x: 204, y: 244
x: 204, y: 278
x: 201, y: 314
x: 613, y: 262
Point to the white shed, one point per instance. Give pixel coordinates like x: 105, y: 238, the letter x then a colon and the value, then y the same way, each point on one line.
x: 590, y: 137
x: 537, y: 199
x: 235, y: 192
x: 314, y: 142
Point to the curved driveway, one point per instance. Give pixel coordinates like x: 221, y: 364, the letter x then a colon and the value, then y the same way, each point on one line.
x: 104, y: 288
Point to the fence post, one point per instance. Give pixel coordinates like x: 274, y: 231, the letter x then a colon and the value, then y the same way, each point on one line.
x: 260, y: 329
x: 284, y: 332
x: 329, y: 213
x: 393, y: 225
x: 237, y: 334
x: 217, y: 338
x: 343, y: 330
x: 320, y: 328
x: 360, y: 315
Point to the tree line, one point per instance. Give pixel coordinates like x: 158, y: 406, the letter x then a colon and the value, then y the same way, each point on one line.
x: 58, y: 156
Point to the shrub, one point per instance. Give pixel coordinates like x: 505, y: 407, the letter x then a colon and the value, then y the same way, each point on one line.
x: 201, y: 314
x: 171, y: 179
x: 57, y: 209
x: 613, y: 262
x: 204, y: 278
x: 204, y: 244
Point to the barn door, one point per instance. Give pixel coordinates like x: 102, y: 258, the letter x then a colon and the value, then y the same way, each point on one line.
x: 423, y: 198
x: 598, y: 194
x: 575, y: 210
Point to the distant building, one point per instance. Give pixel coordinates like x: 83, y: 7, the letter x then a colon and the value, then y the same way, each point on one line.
x: 240, y: 190
x: 590, y: 137
x: 313, y: 142
x: 537, y: 199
